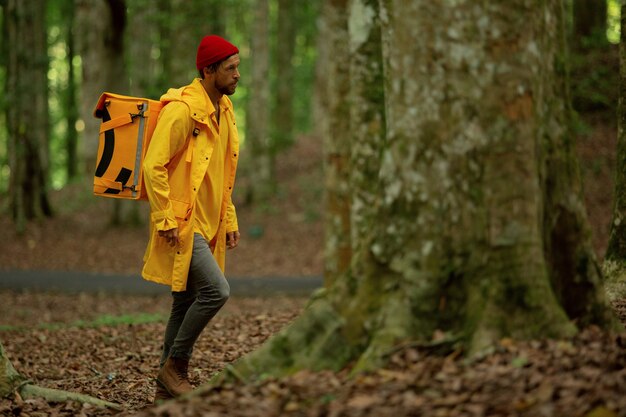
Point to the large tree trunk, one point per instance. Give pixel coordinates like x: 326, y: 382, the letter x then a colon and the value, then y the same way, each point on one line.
x: 27, y: 110
x: 476, y: 228
x: 12, y: 382
x: 257, y: 115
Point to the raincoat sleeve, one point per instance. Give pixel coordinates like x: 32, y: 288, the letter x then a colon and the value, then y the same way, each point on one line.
x: 231, y: 218
x: 168, y: 139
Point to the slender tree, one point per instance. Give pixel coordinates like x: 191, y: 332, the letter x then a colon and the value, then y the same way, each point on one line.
x: 26, y: 90
x: 141, y: 36
x: 190, y: 21
x: 590, y: 23
x: 615, y: 257
x: 282, y: 115
x: 257, y: 114
x: 476, y: 227
x: 319, y: 96
x: 70, y: 98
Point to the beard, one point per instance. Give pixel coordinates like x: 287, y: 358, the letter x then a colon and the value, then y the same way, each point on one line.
x: 227, y: 89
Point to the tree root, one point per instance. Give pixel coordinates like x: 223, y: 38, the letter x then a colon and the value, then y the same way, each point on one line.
x: 313, y: 341
x: 13, y: 383
x: 29, y: 391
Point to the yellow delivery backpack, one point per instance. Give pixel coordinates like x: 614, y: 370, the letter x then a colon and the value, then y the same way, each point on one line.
x: 125, y: 132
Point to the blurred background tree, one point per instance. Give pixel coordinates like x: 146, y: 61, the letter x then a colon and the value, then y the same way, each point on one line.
x: 593, y: 36
x: 143, y: 47
x: 26, y: 107
x: 92, y: 47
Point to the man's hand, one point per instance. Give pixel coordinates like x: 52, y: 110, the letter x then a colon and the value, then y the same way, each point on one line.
x: 170, y: 235
x: 232, y: 239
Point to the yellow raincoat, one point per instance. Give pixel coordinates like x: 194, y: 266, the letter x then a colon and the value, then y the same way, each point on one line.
x: 174, y: 167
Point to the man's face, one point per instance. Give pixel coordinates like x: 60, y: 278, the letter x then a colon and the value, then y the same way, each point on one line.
x: 227, y: 75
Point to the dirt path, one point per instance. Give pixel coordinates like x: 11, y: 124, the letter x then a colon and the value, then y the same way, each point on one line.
x: 77, y: 282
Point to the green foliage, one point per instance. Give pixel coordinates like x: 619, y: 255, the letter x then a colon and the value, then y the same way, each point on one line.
x: 594, y: 79
x: 305, y: 56
x: 613, y: 21
x: 594, y: 65
x: 234, y: 22
x: 303, y: 67
x: 100, y: 321
x: 125, y: 319
x: 58, y: 83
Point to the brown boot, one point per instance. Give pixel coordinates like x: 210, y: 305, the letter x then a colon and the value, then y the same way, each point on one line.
x: 161, y: 394
x: 173, y: 376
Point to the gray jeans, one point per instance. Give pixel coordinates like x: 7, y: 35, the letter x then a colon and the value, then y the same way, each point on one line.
x: 207, y: 291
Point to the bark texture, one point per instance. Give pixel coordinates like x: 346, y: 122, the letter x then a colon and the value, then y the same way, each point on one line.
x: 26, y: 91
x: 467, y: 218
x: 336, y: 144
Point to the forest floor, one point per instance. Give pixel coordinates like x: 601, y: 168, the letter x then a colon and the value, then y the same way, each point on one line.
x: 106, y: 344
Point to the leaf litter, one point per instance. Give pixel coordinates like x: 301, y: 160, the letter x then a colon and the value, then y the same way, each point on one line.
x: 583, y: 376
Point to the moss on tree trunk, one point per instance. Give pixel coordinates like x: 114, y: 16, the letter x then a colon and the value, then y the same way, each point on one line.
x: 474, y: 227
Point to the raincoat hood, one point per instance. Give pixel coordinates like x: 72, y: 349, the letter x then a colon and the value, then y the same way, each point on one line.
x: 195, y: 96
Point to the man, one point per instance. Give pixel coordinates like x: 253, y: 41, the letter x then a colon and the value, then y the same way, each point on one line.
x: 189, y: 172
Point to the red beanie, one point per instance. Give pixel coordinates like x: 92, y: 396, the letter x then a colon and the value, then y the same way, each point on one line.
x: 213, y: 49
